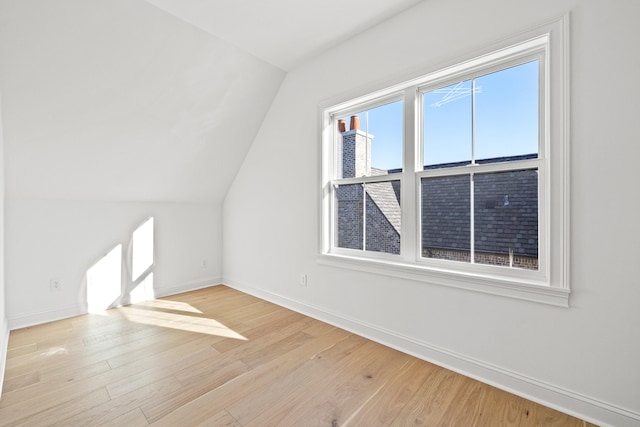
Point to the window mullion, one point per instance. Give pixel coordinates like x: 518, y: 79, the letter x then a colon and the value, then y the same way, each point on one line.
x: 364, y: 216
x: 410, y: 233
x: 473, y: 121
x: 364, y: 186
x: 472, y: 242
x: 472, y: 237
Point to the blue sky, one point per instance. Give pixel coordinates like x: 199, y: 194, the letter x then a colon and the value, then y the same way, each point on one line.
x: 506, y: 120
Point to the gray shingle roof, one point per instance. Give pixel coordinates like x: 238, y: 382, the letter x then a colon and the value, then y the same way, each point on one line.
x: 505, y: 212
x: 386, y: 195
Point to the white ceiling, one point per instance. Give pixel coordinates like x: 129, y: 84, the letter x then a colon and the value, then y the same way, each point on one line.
x: 284, y: 32
x: 118, y: 100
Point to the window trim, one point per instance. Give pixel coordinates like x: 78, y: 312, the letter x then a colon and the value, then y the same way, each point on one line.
x: 550, y: 286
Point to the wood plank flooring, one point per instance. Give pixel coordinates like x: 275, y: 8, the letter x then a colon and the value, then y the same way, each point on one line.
x: 218, y: 357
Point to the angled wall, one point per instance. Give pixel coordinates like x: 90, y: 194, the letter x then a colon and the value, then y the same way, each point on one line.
x: 115, y: 112
x: 582, y: 359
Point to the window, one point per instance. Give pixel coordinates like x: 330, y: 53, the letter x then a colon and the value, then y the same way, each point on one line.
x: 457, y: 177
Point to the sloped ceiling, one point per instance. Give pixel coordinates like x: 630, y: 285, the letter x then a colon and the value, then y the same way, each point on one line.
x: 118, y: 100
x: 284, y: 32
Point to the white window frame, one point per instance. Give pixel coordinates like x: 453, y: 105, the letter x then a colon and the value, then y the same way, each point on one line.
x: 550, y: 283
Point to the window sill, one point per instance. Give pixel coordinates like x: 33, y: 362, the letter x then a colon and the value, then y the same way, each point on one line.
x: 494, y: 285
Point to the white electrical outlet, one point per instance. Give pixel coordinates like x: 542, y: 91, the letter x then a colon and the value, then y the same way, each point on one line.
x: 303, y: 280
x: 55, y: 285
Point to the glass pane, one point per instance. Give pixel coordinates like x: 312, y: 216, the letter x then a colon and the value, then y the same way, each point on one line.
x: 506, y: 219
x: 447, y: 125
x: 371, y: 143
x: 383, y: 217
x: 506, y: 113
x: 446, y: 222
x: 349, y: 218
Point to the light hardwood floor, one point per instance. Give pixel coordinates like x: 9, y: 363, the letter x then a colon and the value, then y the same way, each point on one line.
x: 218, y: 357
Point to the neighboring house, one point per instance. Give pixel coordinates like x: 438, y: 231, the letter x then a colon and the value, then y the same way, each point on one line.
x: 505, y: 211
x: 381, y: 224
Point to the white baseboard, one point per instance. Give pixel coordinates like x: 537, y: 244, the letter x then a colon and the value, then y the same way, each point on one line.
x: 31, y: 319
x: 4, y: 347
x: 189, y: 286
x: 567, y: 401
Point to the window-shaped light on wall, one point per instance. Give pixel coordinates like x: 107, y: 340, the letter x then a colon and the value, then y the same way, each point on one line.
x: 142, y: 249
x: 104, y: 281
x: 143, y: 290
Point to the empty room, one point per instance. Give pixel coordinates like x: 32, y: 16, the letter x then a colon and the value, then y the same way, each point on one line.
x: 319, y: 213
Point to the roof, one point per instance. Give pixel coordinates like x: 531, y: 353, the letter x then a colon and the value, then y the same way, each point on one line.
x: 505, y: 209
x: 505, y: 212
x: 386, y: 195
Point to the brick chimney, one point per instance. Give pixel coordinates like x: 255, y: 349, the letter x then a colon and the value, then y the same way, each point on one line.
x: 356, y: 149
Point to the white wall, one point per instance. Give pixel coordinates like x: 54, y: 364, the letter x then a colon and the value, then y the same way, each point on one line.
x: 113, y: 112
x: 4, y: 329
x: 64, y: 239
x: 584, y: 359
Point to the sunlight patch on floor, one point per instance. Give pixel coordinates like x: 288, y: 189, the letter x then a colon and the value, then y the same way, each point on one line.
x: 181, y: 322
x: 171, y: 305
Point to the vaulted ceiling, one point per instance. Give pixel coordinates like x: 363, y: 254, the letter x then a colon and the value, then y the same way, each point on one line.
x: 158, y: 100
